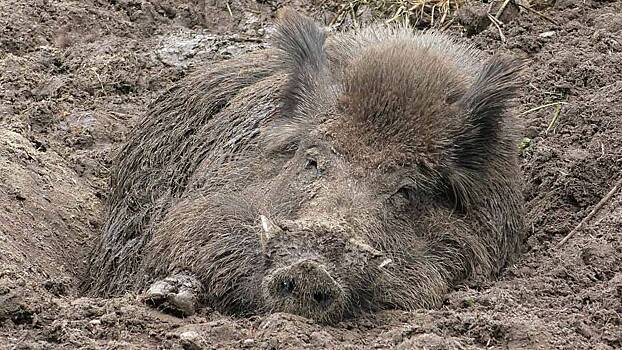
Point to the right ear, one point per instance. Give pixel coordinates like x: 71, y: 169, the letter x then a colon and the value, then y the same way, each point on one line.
x: 486, y: 104
x: 300, y: 41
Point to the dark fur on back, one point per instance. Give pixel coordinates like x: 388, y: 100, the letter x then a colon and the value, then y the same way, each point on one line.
x: 375, y: 140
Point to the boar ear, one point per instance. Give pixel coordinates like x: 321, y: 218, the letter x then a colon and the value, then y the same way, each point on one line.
x: 486, y: 103
x: 301, y: 44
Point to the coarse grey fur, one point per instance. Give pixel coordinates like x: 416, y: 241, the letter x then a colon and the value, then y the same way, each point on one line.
x: 384, y: 160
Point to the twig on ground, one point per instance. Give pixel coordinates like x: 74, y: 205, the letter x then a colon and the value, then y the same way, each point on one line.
x: 502, y: 8
x: 399, y: 10
x: 99, y: 79
x: 353, y: 14
x: 496, y: 23
x: 553, y: 122
x: 592, y: 213
x: 540, y: 107
x: 229, y: 9
x: 528, y: 8
x: 448, y: 24
x: 245, y: 39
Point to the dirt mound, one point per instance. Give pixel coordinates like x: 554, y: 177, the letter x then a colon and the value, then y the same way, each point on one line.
x: 76, y: 74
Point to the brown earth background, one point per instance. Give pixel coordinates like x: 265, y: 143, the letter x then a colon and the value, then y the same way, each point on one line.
x: 75, y: 75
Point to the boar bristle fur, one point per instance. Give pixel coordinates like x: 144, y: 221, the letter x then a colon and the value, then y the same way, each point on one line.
x: 327, y: 176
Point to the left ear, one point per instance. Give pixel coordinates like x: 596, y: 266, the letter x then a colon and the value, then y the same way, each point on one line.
x: 300, y: 41
x: 486, y: 103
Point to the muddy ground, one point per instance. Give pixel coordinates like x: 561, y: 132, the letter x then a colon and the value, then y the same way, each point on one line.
x: 74, y: 75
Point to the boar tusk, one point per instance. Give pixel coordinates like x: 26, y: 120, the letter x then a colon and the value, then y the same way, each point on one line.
x: 269, y: 227
x: 384, y: 263
x: 365, y: 247
x: 268, y: 230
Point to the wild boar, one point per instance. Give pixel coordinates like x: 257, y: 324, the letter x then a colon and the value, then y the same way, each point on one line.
x: 325, y: 176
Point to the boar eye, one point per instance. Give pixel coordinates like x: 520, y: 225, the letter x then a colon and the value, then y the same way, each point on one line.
x: 402, y: 197
x: 404, y: 192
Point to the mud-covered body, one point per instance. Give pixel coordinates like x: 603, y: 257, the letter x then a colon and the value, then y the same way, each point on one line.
x: 384, y: 158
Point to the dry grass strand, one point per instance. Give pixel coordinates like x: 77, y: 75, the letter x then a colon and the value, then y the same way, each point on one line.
x: 406, y: 11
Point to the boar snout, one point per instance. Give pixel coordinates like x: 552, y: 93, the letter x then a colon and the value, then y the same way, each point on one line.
x: 304, y: 287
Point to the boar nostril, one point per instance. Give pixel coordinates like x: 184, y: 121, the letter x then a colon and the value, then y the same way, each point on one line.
x: 324, y: 299
x: 286, y: 287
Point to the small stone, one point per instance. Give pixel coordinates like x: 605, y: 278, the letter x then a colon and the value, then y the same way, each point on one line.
x: 95, y: 322
x: 247, y: 343
x: 57, y: 287
x: 109, y: 318
x: 547, y: 34
x: 176, y: 294
x: 473, y: 18
x: 191, y: 340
